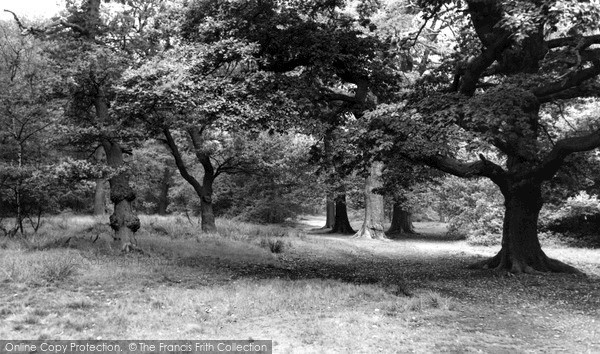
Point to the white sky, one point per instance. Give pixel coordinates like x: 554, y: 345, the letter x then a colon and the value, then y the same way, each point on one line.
x: 29, y: 8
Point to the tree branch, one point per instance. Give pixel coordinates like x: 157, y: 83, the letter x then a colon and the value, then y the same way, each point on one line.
x: 572, y: 80
x: 561, y: 150
x: 582, y: 42
x: 476, y: 66
x: 481, y: 168
x: 180, y: 164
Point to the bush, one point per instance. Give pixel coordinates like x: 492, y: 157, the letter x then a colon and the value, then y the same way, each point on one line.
x: 475, y: 210
x: 577, y: 221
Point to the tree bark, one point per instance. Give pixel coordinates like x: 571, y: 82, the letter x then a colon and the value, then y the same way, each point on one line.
x: 123, y: 220
x: 521, y: 251
x: 373, y: 222
x: 204, y: 190
x: 101, y: 187
x: 401, y: 221
x: 100, y: 197
x: 206, y: 204
x: 163, y: 197
x: 330, y: 212
x: 341, y: 224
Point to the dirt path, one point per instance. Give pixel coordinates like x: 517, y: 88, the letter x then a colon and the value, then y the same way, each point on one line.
x: 551, y: 313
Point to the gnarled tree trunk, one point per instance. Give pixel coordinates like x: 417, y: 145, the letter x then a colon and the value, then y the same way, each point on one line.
x: 401, y: 221
x: 521, y: 251
x: 373, y: 223
x: 123, y: 219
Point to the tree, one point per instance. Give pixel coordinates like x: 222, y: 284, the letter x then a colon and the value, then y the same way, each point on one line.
x: 324, y: 54
x: 532, y: 54
x: 91, y: 51
x: 373, y: 223
x: 193, y: 99
x: 26, y: 125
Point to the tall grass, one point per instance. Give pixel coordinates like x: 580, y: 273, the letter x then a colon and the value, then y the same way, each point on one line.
x: 39, y: 267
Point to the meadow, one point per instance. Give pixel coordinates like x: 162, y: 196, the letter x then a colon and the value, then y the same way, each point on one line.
x: 308, y: 291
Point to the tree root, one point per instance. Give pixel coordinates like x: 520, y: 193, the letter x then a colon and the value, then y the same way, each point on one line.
x: 368, y: 233
x: 502, y: 264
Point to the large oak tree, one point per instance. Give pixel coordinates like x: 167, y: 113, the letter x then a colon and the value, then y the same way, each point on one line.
x: 512, y: 59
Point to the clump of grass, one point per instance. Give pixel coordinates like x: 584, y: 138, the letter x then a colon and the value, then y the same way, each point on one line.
x: 175, y: 227
x: 31, y: 319
x: 421, y: 302
x: 39, y: 266
x: 5, y: 311
x: 54, y: 269
x: 275, y: 246
x: 40, y: 313
x: 80, y: 305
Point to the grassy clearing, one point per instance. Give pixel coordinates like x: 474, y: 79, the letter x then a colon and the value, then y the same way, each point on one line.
x: 316, y: 293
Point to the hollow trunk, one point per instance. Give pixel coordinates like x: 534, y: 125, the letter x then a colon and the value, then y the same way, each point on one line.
x: 163, y: 196
x: 373, y: 222
x: 341, y: 224
x: 521, y: 251
x: 330, y: 212
x: 123, y: 220
x: 401, y: 221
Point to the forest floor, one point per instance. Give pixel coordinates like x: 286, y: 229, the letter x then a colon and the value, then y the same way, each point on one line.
x: 321, y: 293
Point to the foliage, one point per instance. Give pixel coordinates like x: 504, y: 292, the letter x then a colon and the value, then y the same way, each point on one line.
x: 281, y: 186
x: 576, y: 220
x: 474, y: 208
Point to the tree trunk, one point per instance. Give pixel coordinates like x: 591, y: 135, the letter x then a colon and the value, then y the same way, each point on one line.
x: 373, y: 223
x: 330, y: 210
x: 100, y: 197
x: 206, y: 205
x: 401, y: 221
x: 204, y: 190
x: 100, y: 190
x: 341, y: 224
x: 521, y: 251
x: 123, y: 219
x: 163, y: 196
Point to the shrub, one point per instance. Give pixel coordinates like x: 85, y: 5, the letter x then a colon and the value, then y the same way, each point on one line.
x: 475, y: 210
x: 577, y: 221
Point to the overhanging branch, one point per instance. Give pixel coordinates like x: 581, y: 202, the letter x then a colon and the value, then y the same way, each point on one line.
x: 561, y: 150
x: 481, y: 168
x: 572, y: 80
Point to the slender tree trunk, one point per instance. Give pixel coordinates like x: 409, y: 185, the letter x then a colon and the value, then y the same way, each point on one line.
x: 521, y: 251
x: 401, y: 221
x: 163, y: 196
x: 206, y: 205
x: 330, y: 212
x: 100, y: 189
x: 204, y: 190
x: 373, y: 223
x: 123, y: 220
x: 341, y: 224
